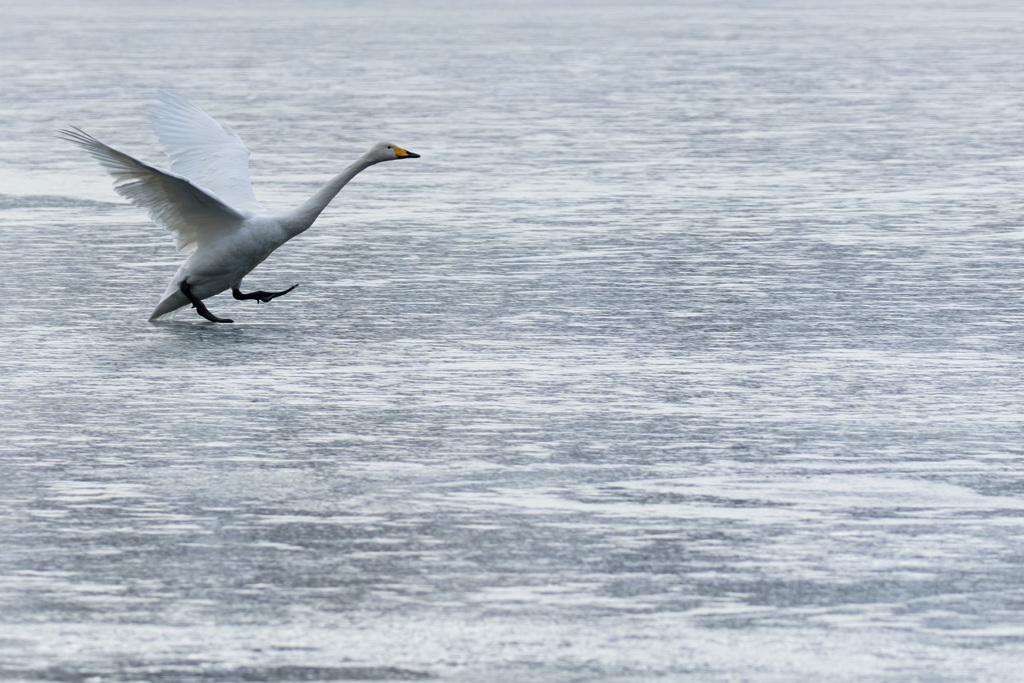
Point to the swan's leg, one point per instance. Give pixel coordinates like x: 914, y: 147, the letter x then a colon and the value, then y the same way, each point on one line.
x: 259, y: 295
x: 198, y: 304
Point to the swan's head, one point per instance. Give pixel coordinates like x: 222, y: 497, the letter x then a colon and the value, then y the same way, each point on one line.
x: 385, y: 151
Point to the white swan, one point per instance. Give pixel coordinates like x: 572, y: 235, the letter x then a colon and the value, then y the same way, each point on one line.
x: 207, y: 203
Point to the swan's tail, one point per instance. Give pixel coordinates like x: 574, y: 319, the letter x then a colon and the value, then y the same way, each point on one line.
x: 169, y: 304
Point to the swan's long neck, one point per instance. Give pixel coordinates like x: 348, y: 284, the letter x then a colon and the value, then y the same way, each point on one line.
x: 301, y: 218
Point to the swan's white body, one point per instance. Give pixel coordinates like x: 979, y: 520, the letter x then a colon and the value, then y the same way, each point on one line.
x: 216, y: 266
x: 206, y: 200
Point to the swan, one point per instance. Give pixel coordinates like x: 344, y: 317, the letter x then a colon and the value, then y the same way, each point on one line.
x: 207, y: 203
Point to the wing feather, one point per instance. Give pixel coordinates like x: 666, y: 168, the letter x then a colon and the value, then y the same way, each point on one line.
x: 193, y: 215
x: 203, y: 150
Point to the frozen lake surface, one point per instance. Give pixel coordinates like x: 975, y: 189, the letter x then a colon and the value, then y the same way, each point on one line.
x: 691, y: 349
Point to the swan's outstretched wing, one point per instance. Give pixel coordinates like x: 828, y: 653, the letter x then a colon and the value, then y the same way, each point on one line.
x: 193, y: 215
x: 206, y: 152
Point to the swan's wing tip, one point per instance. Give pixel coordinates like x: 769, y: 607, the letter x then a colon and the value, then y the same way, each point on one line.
x: 76, y: 135
x: 171, y: 97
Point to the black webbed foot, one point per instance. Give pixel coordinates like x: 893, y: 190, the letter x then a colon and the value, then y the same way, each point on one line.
x: 198, y: 304
x: 260, y: 296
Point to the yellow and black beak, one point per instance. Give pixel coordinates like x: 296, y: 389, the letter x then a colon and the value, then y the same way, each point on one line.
x: 404, y: 154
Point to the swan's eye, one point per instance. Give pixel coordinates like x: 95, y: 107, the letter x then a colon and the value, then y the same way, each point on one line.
x: 389, y: 146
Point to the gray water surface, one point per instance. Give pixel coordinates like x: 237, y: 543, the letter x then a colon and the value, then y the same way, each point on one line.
x: 691, y: 348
